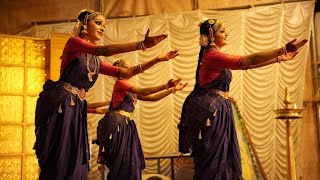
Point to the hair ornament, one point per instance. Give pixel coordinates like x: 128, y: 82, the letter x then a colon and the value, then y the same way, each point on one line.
x: 204, y: 40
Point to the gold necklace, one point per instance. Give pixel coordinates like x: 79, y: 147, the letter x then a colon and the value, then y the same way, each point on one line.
x: 91, y: 73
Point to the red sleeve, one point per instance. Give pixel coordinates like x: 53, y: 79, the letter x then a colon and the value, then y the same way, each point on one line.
x: 120, y: 90
x: 213, y: 63
x: 223, y: 61
x: 109, y: 70
x: 73, y: 48
x: 76, y: 44
x: 122, y: 85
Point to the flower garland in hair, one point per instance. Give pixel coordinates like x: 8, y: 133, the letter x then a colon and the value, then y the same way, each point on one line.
x: 204, y: 40
x: 76, y: 29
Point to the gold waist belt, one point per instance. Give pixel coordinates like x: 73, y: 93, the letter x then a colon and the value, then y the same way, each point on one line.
x: 221, y: 93
x: 74, y: 90
x: 125, y: 113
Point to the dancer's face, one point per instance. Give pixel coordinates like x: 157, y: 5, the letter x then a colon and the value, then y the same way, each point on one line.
x: 221, y: 36
x: 96, y: 28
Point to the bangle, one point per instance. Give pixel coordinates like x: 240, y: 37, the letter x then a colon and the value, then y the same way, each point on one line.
x: 140, y: 68
x: 284, y: 49
x: 279, y: 59
x: 173, y: 91
x: 142, y: 46
x: 166, y: 86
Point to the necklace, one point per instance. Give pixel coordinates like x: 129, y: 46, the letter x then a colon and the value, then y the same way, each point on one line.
x: 214, y: 48
x: 91, y: 73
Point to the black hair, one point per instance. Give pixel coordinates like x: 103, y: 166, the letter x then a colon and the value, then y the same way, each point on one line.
x: 198, y: 67
x: 83, y: 14
x: 204, y: 27
x: 204, y: 30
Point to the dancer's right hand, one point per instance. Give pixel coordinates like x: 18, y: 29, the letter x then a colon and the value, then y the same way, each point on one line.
x: 168, y: 56
x: 180, y: 86
x: 294, y: 47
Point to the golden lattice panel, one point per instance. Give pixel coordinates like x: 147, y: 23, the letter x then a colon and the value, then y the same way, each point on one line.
x: 11, y: 109
x: 10, y: 168
x: 36, y: 53
x: 32, y: 168
x: 30, y: 139
x: 30, y: 109
x: 11, y: 80
x: 36, y: 78
x: 10, y: 139
x: 22, y: 75
x: 11, y: 51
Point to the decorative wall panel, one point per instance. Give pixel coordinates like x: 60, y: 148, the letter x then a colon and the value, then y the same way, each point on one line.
x: 22, y: 73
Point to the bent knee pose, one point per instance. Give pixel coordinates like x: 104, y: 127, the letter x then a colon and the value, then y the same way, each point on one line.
x: 61, y: 114
x: 207, y: 126
x: 119, y: 145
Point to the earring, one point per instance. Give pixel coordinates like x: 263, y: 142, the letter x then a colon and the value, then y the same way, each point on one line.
x: 212, y: 42
x: 84, y: 30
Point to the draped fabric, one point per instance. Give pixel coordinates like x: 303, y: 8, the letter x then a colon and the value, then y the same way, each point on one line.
x: 258, y: 92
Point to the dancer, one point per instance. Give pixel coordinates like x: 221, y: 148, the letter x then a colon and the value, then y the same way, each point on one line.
x: 207, y: 127
x: 61, y: 113
x: 119, y: 145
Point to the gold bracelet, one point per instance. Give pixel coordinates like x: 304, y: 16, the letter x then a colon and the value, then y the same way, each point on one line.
x: 284, y: 49
x: 173, y: 91
x: 166, y: 86
x: 140, y: 68
x: 279, y: 59
x: 143, y: 47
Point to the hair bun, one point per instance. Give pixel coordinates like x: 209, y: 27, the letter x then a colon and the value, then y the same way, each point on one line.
x: 83, y: 13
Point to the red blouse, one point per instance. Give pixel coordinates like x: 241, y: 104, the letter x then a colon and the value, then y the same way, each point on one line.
x: 75, y: 46
x: 213, y: 63
x: 120, y: 91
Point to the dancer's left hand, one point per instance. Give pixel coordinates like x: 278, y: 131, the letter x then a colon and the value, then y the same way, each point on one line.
x: 168, y: 56
x: 180, y: 86
x: 173, y: 82
x: 289, y: 56
x: 150, y: 41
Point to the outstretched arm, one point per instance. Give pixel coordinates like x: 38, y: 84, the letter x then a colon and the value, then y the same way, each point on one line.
x: 268, y: 57
x: 112, y: 49
x: 97, y: 110
x: 287, y: 57
x: 151, y: 90
x: 162, y: 94
x: 129, y: 72
x: 98, y: 104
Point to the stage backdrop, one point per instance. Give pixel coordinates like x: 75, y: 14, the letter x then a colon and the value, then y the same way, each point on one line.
x: 258, y: 92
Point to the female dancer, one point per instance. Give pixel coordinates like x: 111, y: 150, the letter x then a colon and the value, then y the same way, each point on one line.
x: 119, y: 145
x: 207, y: 126
x: 61, y: 114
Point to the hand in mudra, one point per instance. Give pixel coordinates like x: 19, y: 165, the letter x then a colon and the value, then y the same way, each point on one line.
x: 291, y: 47
x: 168, y: 56
x: 180, y: 86
x: 150, y: 41
x: 173, y: 82
x: 289, y: 56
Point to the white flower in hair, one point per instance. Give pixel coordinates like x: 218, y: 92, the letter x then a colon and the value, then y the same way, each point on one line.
x: 76, y: 29
x: 204, y: 40
x: 202, y: 20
